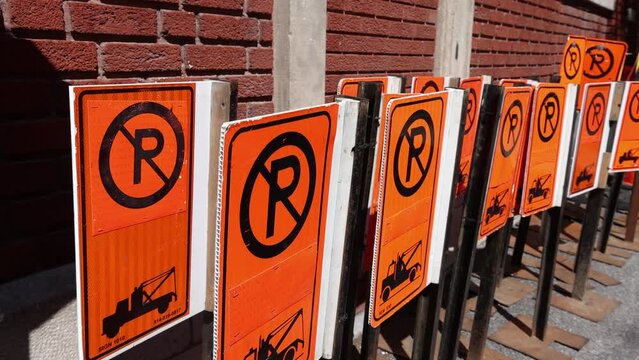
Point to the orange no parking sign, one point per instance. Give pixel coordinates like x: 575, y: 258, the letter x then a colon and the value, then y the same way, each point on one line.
x: 475, y: 87
x: 592, y: 133
x: 416, y: 171
x: 625, y: 155
x: 133, y: 169
x: 271, y: 233
x: 543, y: 148
x: 507, y: 149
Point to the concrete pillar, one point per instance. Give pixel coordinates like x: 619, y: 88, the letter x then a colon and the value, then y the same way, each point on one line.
x: 299, y: 41
x: 453, y: 42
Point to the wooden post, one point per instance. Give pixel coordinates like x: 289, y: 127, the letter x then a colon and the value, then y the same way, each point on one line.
x: 520, y: 244
x: 633, y: 211
x: 613, y: 199
x: 550, y: 228
x: 489, y: 277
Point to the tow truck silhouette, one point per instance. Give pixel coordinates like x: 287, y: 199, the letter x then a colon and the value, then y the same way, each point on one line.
x: 630, y: 155
x: 399, y: 272
x: 461, y: 178
x: 538, y: 188
x: 585, y: 175
x: 142, y: 302
x: 286, y: 347
x: 496, y: 207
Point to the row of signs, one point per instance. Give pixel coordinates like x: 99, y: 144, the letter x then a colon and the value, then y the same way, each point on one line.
x: 178, y: 211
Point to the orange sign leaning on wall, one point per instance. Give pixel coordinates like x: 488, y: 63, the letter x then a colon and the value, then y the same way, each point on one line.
x: 603, y: 60
x: 592, y: 132
x: 572, y: 60
x: 625, y: 154
x: 543, y: 148
x: 516, y: 82
x: 133, y: 167
x: 417, y: 164
x: 475, y: 87
x: 506, y: 153
x: 272, y: 232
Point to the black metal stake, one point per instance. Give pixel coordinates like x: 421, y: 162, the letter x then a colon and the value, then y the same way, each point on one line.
x: 489, y: 280
x: 587, y: 242
x: 520, y: 243
x: 370, y: 338
x: 613, y: 199
x: 478, y: 179
x: 356, y: 223
x: 550, y: 230
x: 503, y: 256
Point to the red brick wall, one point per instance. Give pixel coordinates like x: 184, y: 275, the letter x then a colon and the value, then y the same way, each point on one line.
x: 46, y: 45
x: 518, y: 38
x: 377, y: 37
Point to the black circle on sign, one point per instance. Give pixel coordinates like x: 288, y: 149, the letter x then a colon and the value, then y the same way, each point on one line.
x: 594, y: 119
x: 429, y: 85
x: 470, y: 110
x: 508, y: 120
x: 116, y: 127
x: 253, y: 244
x: 596, y: 71
x: 633, y: 108
x: 572, y: 61
x: 544, y: 122
x: 405, y: 190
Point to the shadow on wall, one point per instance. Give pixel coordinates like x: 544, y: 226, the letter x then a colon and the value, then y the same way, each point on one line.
x: 36, y: 213
x: 38, y: 313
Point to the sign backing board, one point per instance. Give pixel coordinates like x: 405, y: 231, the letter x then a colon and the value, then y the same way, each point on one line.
x: 475, y: 87
x: 626, y: 145
x: 544, y: 145
x: 336, y: 222
x: 431, y: 84
x: 133, y: 156
x: 592, y: 134
x: 271, y: 233
x: 420, y: 140
x: 349, y: 86
x: 513, y: 118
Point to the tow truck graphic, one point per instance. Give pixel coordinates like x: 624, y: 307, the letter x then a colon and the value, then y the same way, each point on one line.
x: 461, y: 178
x: 399, y: 270
x: 630, y: 155
x: 538, y: 188
x: 283, y: 343
x: 585, y: 174
x: 496, y: 208
x: 142, y: 302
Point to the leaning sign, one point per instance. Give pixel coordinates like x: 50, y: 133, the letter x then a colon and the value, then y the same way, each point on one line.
x: 271, y: 233
x: 499, y: 198
x: 592, y: 133
x: 625, y: 154
x: 548, y: 146
x: 349, y: 86
x: 421, y: 134
x: 133, y: 163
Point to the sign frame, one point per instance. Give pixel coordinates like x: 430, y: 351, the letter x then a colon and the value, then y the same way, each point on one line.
x: 451, y: 137
x: 625, y: 106
x: 207, y: 113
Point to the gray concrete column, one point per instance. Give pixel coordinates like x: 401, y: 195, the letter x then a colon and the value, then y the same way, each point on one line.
x: 453, y: 42
x: 299, y: 42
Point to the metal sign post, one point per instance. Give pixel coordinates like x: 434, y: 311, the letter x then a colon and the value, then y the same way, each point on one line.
x: 478, y: 179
